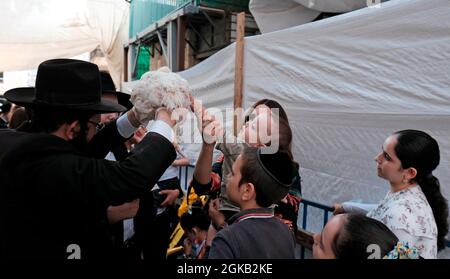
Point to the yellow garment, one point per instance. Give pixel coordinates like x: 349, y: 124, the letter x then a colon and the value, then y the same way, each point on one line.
x: 178, y: 233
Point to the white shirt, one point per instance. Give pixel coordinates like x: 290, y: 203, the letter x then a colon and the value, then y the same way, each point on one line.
x: 172, y: 171
x: 126, y: 130
x: 409, y: 216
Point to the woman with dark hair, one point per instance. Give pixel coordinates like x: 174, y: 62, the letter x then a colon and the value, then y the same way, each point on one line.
x: 355, y: 236
x: 414, y: 208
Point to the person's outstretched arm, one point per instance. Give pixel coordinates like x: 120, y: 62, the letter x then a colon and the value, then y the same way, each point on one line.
x: 353, y: 207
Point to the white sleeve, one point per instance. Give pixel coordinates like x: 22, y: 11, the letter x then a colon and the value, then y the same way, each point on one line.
x: 163, y: 129
x: 356, y: 207
x: 124, y: 126
x: 110, y: 156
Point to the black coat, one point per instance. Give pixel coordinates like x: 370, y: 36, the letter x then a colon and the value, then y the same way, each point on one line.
x: 52, y: 196
x: 3, y: 124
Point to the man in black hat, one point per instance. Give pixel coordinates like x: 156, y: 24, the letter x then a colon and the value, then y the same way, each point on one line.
x: 109, y: 92
x: 5, y: 107
x: 55, y: 185
x: 118, y: 215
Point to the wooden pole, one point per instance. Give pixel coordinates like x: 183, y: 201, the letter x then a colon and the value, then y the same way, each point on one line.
x: 239, y: 69
x: 181, y: 43
x: 125, y: 64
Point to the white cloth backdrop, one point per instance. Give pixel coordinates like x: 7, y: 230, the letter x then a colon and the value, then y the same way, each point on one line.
x: 276, y: 15
x: 33, y: 31
x: 347, y: 83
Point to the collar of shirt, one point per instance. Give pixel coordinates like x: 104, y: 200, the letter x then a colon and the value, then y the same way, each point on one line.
x: 254, y: 213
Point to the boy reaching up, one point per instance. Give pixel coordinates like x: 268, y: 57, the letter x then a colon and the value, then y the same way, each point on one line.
x: 255, y: 183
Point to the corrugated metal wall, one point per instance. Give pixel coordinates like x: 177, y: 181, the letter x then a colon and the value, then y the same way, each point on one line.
x: 145, y: 12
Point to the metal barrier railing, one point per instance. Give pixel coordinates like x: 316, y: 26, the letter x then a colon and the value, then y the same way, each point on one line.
x: 326, y: 210
x: 186, y: 175
x: 306, y: 203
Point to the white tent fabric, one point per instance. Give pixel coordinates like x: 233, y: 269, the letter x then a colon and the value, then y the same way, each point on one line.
x: 34, y: 31
x: 276, y: 15
x: 342, y: 6
x: 347, y: 83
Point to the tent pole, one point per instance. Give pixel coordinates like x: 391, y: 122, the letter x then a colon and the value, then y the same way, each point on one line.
x: 239, y: 70
x: 181, y: 43
x: 125, y: 64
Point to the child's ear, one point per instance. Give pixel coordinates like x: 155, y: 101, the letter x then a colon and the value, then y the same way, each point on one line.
x: 248, y: 192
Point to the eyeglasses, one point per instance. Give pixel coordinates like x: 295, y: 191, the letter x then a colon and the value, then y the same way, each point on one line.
x: 98, y: 125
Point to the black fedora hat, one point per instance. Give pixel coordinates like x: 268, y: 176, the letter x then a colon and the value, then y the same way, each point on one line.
x: 5, y: 105
x: 66, y: 84
x: 108, y: 87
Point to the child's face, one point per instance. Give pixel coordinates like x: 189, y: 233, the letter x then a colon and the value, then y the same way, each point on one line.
x: 257, y: 130
x: 234, y: 177
x: 193, y: 235
x: 323, y: 242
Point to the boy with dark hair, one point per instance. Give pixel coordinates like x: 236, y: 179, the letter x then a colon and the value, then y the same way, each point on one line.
x: 195, y: 223
x: 256, y: 182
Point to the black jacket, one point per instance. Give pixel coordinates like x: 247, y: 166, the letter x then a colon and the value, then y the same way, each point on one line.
x: 3, y: 124
x: 50, y: 195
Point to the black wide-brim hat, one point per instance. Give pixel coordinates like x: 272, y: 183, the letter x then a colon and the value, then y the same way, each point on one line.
x: 108, y: 87
x: 65, y: 84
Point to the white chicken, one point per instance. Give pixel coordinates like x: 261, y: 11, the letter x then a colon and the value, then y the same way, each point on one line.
x: 161, y: 88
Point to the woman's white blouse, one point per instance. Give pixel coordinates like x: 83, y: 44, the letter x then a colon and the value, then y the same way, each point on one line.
x: 409, y: 216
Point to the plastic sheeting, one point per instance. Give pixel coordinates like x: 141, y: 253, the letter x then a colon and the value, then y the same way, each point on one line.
x: 347, y: 83
x: 34, y: 31
x: 276, y: 15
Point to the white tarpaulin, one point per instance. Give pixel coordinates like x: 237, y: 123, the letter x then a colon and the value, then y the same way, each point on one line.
x: 276, y: 15
x: 34, y: 31
x: 347, y: 83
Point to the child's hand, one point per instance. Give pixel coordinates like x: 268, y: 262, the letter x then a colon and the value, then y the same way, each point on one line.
x: 212, y: 129
x: 172, y: 195
x: 187, y: 246
x: 338, y: 209
x: 216, y: 216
